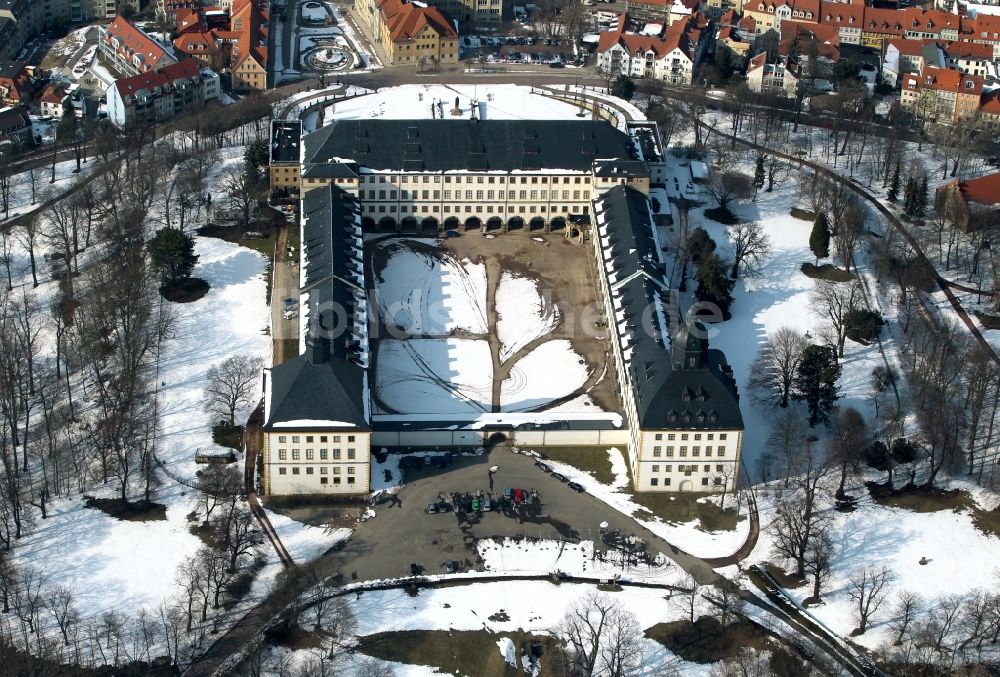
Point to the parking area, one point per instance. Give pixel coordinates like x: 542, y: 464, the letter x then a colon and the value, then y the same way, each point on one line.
x: 403, y: 532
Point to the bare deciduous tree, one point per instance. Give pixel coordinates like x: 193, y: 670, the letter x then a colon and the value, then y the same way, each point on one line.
x: 867, y: 588
x: 231, y: 385
x: 602, y: 636
x: 773, y: 372
x: 751, y: 247
x: 832, y: 301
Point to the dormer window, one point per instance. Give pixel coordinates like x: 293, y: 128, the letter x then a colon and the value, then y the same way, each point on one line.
x: 701, y: 417
x: 672, y: 416
x: 712, y: 417
x: 687, y: 417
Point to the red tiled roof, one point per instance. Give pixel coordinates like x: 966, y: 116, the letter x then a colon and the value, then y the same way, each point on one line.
x: 132, y: 41
x: 969, y: 50
x: 842, y: 14
x: 907, y: 46
x: 985, y: 189
x: 186, y: 69
x: 991, y: 103
x: 406, y: 20
x: 943, y: 79
x: 249, y: 21
x: 53, y: 94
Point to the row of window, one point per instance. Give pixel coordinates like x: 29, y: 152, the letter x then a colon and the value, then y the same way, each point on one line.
x: 311, y: 438
x: 324, y: 454
x: 655, y: 481
x: 683, y: 451
x: 687, y: 469
x: 322, y: 479
x: 685, y: 436
x: 426, y: 209
x: 477, y: 195
x: 479, y: 179
x: 311, y: 470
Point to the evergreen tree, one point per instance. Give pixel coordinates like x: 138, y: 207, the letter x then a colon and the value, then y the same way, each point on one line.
x: 758, y: 175
x: 893, y: 194
x: 700, y: 245
x: 819, y: 238
x: 623, y: 87
x: 714, y: 284
x: 171, y: 252
x: 816, y: 382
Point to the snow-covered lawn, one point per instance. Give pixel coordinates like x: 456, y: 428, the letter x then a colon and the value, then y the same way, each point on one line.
x: 66, y: 175
x: 435, y: 376
x: 548, y: 372
x: 959, y: 557
x: 125, y: 565
x: 427, y: 294
x: 314, y: 11
x: 516, y: 298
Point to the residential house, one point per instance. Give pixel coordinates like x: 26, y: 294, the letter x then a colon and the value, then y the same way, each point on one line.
x: 53, y: 100
x: 768, y: 14
x: 248, y: 61
x: 670, y: 11
x: 148, y: 98
x: 989, y: 112
x: 847, y: 17
x: 781, y: 77
x: 15, y: 83
x: 15, y: 125
x: 671, y: 58
x: 130, y: 51
x: 941, y: 95
x: 411, y: 32
x: 971, y: 205
x: 969, y: 57
x: 902, y: 55
x: 805, y: 41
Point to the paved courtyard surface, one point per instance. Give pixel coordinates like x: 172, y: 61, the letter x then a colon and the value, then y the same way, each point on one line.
x: 401, y: 532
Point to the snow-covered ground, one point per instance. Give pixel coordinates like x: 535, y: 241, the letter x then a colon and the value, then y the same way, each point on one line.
x: 426, y: 294
x: 432, y: 294
x: 66, y: 176
x: 494, y: 102
x: 531, y: 606
x: 959, y: 557
x: 435, y: 376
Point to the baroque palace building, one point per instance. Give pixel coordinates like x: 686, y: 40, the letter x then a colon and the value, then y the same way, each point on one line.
x: 680, y: 417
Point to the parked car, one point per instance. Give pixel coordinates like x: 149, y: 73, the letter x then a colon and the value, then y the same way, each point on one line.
x: 542, y: 466
x: 475, y: 505
x: 576, y: 487
x: 487, y: 505
x: 560, y: 477
x: 518, y: 495
x: 508, y: 492
x: 451, y: 566
x: 415, y: 569
x: 432, y: 508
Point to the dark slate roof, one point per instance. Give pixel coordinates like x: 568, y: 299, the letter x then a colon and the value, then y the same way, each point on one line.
x: 636, y: 279
x: 330, y: 391
x: 331, y: 170
x: 612, y: 168
x: 286, y: 135
x: 334, y: 268
x: 327, y: 383
x: 476, y: 145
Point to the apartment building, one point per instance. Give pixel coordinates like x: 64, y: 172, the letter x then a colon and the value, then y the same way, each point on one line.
x: 768, y: 14
x: 941, y: 95
x: 410, y: 32
x: 130, y: 51
x: 671, y: 58
x: 679, y: 397
x: 154, y: 97
x: 780, y: 77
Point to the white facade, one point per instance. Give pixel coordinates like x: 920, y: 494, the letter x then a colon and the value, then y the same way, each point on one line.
x: 334, y: 462
x: 674, y: 67
x: 671, y: 460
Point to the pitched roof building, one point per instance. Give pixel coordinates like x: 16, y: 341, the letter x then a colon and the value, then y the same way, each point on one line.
x: 971, y: 205
x: 249, y: 25
x: 130, y: 51
x: 941, y: 95
x: 411, y: 32
x: 154, y: 97
x: 671, y: 57
x: 15, y: 83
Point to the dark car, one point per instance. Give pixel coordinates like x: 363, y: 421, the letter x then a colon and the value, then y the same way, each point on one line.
x: 415, y: 569
x: 542, y: 466
x: 451, y: 566
x: 560, y: 477
x: 556, y: 64
x: 576, y: 487
x: 508, y: 492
